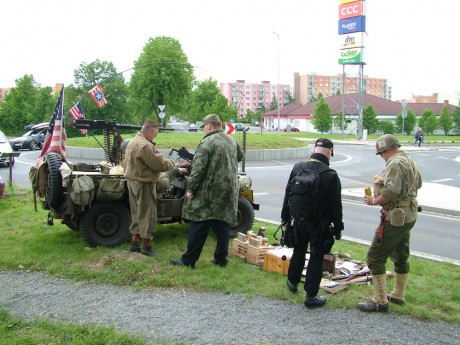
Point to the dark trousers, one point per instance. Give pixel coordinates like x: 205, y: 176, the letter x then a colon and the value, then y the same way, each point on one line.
x: 197, y: 235
x: 308, y: 233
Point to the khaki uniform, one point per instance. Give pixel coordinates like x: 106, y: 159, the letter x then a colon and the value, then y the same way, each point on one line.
x: 143, y: 165
x: 402, y: 180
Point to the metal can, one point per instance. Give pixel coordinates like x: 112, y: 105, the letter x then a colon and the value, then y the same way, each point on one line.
x: 368, y: 191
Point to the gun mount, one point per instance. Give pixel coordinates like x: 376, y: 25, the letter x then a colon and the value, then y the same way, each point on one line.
x: 110, y: 129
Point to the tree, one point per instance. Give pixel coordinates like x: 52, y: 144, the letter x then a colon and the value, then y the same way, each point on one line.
x: 205, y: 99
x: 322, y: 118
x: 409, y: 121
x: 162, y: 75
x: 26, y: 103
x: 338, y: 122
x: 289, y: 99
x: 370, y: 121
x: 428, y: 121
x: 115, y: 89
x: 387, y: 127
x: 274, y: 103
x: 445, y: 121
x: 456, y: 120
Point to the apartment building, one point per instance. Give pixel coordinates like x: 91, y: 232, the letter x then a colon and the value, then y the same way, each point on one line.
x: 309, y: 86
x: 3, y: 92
x: 247, y: 96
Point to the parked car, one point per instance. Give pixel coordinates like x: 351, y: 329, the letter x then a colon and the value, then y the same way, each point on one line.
x: 291, y: 129
x: 239, y: 126
x: 5, y: 147
x: 32, y: 139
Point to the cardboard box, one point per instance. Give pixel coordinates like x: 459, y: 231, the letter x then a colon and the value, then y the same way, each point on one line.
x: 278, y: 260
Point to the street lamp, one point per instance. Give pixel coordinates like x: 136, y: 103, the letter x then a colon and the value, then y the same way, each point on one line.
x: 278, y: 94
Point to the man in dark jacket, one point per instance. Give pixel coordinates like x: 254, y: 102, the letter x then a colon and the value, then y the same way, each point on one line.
x: 212, y: 193
x: 313, y: 231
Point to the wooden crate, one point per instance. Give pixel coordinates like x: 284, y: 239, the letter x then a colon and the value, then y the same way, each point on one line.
x: 278, y: 260
x: 239, y: 248
x: 256, y: 255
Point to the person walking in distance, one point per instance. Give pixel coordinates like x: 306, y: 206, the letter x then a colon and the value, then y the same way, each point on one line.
x: 142, y: 165
x: 312, y: 228
x: 398, y: 198
x: 419, y: 137
x: 212, y: 193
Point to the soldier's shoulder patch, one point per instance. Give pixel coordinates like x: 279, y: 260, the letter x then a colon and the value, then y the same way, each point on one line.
x: 155, y: 150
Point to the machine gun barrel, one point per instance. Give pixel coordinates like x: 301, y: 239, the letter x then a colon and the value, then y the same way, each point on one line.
x: 108, y: 125
x: 183, y: 153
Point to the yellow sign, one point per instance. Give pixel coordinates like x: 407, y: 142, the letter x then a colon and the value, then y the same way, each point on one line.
x: 346, y: 1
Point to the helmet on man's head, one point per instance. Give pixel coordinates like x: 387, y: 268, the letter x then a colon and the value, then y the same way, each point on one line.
x: 386, y: 142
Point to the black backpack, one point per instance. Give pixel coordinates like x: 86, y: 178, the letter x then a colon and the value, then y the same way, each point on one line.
x: 304, y: 190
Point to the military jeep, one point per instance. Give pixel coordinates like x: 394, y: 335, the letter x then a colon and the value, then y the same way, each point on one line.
x: 94, y: 198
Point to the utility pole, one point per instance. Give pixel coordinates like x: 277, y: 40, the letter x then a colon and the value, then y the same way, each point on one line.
x: 278, y: 93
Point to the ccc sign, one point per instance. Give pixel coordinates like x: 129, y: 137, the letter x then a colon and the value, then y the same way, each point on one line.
x: 352, y: 9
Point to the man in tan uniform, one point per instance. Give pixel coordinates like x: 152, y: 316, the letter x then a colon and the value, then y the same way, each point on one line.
x: 143, y: 165
x: 398, y: 199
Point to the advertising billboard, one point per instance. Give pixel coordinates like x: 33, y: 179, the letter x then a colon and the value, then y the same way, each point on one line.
x: 352, y: 9
x: 354, y: 40
x: 351, y: 56
x: 350, y: 25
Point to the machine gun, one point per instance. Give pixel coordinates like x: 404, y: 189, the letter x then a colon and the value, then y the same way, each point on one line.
x: 112, y: 151
x: 183, y: 153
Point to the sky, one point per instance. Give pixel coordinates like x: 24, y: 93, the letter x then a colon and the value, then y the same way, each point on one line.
x: 411, y: 43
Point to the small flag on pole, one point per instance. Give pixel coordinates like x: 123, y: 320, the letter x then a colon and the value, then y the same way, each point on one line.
x: 97, y: 95
x: 55, y: 136
x: 77, y: 113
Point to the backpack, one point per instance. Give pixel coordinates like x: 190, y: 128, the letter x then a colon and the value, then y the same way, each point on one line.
x: 304, y: 190
x: 82, y: 191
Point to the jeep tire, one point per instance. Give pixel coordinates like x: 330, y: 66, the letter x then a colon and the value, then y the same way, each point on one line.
x: 106, y: 224
x: 244, y: 219
x: 54, y: 192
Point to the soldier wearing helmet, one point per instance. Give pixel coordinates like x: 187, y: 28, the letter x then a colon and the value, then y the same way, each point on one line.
x: 398, y: 198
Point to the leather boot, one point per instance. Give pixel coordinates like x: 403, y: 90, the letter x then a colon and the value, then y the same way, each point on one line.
x: 135, y: 246
x: 147, y: 247
x: 379, y: 302
x: 399, y: 289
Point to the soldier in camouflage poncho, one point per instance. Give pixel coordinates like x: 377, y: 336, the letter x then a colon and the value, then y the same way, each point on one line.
x: 212, y: 193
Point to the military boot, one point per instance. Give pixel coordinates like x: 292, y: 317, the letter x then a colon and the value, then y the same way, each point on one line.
x: 397, y: 295
x: 147, y: 247
x: 135, y: 245
x: 379, y: 302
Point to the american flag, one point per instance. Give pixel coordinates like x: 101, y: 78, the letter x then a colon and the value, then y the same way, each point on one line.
x: 77, y: 113
x: 97, y: 96
x: 55, y: 136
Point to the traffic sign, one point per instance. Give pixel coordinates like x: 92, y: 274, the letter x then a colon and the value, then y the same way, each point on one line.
x: 161, y: 106
x: 161, y: 115
x: 229, y: 128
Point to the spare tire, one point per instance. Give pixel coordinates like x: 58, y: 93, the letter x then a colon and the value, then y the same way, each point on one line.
x: 54, y: 192
x: 245, y: 217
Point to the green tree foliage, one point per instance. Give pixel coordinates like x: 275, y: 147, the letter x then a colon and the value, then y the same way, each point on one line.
x: 26, y: 103
x: 428, y: 121
x: 387, y: 127
x: 289, y: 99
x: 322, y: 118
x: 116, y: 92
x: 162, y: 75
x: 370, y: 121
x: 274, y: 103
x: 409, y: 121
x: 206, y: 98
x: 338, y: 122
x: 456, y: 120
x: 445, y: 120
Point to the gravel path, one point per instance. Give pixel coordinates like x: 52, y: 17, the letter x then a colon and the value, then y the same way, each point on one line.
x: 209, y: 318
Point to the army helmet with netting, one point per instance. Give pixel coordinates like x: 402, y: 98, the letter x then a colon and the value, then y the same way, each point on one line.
x: 386, y: 142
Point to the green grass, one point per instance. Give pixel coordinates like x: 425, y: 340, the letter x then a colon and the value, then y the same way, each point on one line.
x: 28, y: 243
x: 266, y: 140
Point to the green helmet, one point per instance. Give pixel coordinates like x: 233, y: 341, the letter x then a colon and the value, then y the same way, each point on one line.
x: 386, y: 142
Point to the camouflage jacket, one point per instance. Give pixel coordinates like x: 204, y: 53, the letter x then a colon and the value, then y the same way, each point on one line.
x: 214, y: 179
x: 143, y: 162
x: 402, y: 180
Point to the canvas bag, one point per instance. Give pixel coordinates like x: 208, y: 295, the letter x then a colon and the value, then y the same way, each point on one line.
x: 82, y: 192
x: 111, y: 189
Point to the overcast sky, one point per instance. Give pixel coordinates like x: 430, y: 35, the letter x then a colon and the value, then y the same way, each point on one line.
x: 412, y: 43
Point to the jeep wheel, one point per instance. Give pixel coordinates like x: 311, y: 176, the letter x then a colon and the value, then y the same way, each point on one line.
x: 54, y: 193
x: 244, y: 219
x: 34, y: 146
x: 106, y: 224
